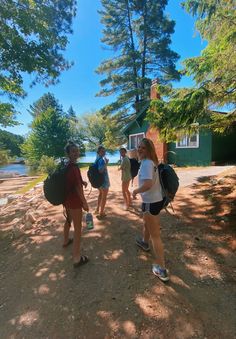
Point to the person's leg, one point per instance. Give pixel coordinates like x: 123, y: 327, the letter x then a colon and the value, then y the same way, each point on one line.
x: 124, y: 193
x: 76, y: 217
x: 127, y: 195
x: 103, y: 200
x: 146, y: 234
x: 67, y: 226
x: 152, y: 223
x: 123, y: 190
x: 99, y: 200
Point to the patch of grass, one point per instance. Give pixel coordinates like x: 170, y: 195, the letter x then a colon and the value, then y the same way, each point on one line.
x: 85, y: 165
x: 31, y: 184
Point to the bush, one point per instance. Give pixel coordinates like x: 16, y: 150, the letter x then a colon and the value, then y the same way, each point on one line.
x: 4, y: 156
x: 47, y: 164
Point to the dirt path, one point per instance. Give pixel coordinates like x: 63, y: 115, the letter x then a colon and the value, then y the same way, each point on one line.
x: 116, y: 295
x: 189, y: 176
x: 12, y: 185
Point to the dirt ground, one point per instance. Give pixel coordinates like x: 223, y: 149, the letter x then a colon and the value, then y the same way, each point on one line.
x: 116, y: 295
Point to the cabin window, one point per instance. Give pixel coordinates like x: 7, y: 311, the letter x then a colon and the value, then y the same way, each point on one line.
x: 134, y: 140
x: 188, y: 141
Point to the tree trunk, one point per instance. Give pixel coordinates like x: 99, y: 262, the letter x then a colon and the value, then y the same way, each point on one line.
x: 144, y: 46
x: 137, y: 99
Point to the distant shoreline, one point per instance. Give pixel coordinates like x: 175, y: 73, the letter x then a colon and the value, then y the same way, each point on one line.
x: 9, y: 175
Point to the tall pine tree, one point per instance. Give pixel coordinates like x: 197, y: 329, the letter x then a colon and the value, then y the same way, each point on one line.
x: 48, y: 100
x: 139, y: 34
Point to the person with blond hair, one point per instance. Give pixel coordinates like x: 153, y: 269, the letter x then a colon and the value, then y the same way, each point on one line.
x: 152, y: 202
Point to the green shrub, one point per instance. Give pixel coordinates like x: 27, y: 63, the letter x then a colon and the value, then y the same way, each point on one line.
x: 4, y: 156
x: 47, y: 164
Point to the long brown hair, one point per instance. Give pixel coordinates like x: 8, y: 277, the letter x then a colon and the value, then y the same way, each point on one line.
x: 151, y: 152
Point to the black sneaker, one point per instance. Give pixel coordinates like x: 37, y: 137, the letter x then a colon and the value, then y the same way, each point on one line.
x: 142, y: 244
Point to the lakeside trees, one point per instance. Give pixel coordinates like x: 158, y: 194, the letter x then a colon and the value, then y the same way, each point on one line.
x: 33, y: 35
x: 50, y: 133
x: 139, y: 34
x: 11, y: 142
x: 95, y: 130
x: 9, y: 146
x: 214, y: 72
x: 51, y: 129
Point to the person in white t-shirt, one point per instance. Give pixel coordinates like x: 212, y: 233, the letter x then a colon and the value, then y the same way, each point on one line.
x: 152, y: 203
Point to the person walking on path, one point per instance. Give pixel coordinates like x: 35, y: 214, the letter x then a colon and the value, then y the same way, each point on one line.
x: 152, y: 203
x: 102, y: 162
x: 126, y: 177
x: 74, y: 203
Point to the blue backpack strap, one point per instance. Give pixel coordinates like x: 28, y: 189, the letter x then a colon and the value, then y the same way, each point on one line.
x: 96, y: 162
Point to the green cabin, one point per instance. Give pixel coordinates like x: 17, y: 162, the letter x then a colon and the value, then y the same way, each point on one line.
x: 201, y: 149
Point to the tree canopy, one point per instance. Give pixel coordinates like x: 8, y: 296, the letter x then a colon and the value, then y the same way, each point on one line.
x: 33, y: 35
x: 139, y: 34
x: 214, y: 72
x: 95, y: 130
x: 50, y: 133
x: 48, y: 100
x: 11, y: 142
x: 51, y: 129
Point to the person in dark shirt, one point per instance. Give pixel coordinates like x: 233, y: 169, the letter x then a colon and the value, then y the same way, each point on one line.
x: 74, y: 203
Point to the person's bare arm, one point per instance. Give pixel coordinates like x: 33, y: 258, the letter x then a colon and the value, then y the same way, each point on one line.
x: 80, y: 192
x: 148, y: 183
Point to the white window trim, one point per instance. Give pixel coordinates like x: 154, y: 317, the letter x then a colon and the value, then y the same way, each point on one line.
x: 197, y: 143
x: 135, y: 134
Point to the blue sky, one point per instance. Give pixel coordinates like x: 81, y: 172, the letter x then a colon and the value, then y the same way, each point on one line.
x: 79, y: 85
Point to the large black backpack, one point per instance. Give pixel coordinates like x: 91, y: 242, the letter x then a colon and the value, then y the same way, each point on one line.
x: 134, y: 167
x: 169, y: 182
x: 54, y: 186
x: 95, y: 178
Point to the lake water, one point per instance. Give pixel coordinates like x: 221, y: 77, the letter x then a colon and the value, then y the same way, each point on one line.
x: 89, y: 157
x: 15, y: 168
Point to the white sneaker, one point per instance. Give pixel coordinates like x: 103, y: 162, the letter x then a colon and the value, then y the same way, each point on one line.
x: 160, y: 272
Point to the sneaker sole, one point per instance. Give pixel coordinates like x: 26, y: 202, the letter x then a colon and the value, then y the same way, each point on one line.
x: 160, y: 277
x: 143, y: 248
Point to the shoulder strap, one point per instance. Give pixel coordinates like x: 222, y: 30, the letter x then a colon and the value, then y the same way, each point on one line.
x: 96, y: 161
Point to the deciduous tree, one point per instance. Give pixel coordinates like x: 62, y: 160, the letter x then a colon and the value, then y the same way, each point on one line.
x: 33, y: 35
x: 98, y: 130
x: 11, y: 142
x: 50, y: 133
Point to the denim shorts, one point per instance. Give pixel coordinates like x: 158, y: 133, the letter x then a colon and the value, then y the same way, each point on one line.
x: 153, y: 208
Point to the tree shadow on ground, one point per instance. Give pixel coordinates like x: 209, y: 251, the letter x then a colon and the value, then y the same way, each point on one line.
x: 115, y: 294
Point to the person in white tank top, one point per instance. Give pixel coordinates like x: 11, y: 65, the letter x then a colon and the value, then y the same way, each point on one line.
x: 152, y: 203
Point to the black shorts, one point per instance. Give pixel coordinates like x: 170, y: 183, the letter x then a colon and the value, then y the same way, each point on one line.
x: 153, y: 208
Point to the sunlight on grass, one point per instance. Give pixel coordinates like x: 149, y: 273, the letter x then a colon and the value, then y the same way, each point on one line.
x: 31, y: 184
x: 85, y: 165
